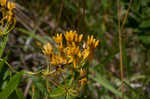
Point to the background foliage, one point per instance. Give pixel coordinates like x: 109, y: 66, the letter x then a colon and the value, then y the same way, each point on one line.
x: 38, y: 21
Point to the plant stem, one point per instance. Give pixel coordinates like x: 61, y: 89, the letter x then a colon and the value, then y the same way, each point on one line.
x: 120, y: 46
x: 33, y: 91
x: 48, y: 65
x: 126, y: 15
x: 120, y: 29
x: 11, y: 68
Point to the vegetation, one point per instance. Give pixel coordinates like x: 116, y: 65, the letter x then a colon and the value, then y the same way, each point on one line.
x: 74, y: 49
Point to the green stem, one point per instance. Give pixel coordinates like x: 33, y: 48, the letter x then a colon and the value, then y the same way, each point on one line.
x: 3, y: 44
x: 48, y: 65
x: 120, y: 47
x: 11, y: 68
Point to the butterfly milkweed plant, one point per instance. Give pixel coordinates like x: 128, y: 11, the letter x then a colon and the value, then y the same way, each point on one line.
x: 66, y: 70
x: 66, y: 73
x: 47, y: 50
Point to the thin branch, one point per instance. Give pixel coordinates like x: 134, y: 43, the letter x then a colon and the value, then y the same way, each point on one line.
x: 59, y: 14
x: 28, y: 87
x: 11, y: 68
x: 126, y: 15
x: 120, y: 46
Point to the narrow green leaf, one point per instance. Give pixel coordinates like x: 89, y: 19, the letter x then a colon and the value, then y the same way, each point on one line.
x: 3, y: 44
x: 1, y: 65
x: 11, y: 86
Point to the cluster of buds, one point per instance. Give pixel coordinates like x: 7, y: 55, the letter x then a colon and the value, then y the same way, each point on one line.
x: 7, y: 20
x: 69, y: 55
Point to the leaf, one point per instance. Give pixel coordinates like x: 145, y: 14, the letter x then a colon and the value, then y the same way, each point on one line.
x: 19, y: 94
x: 57, y: 92
x: 7, y: 74
x: 2, y: 63
x: 136, y: 5
x: 145, y: 24
x: 144, y: 39
x: 105, y: 83
x: 32, y: 34
x: 3, y: 44
x: 39, y: 87
x: 11, y: 86
x: 13, y: 96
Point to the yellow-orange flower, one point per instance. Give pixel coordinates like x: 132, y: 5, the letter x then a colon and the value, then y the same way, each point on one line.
x: 58, y: 38
x: 47, y: 49
x: 82, y: 72
x: 85, y: 53
x: 57, y: 60
x: 11, y: 5
x: 74, y: 55
x: 78, y: 38
x: 69, y: 35
x: 9, y: 16
x: 72, y: 36
x: 83, y: 81
x: 3, y: 3
x: 91, y: 44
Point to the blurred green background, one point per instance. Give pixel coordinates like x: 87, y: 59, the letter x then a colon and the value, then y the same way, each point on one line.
x: 39, y: 20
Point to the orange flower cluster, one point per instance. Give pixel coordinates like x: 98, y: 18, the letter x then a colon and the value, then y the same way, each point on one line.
x: 71, y: 53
